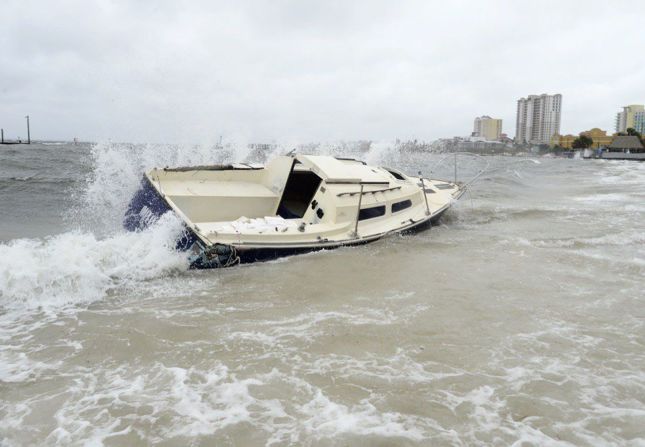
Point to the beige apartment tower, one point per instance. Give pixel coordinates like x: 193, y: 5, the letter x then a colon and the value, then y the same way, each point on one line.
x: 632, y: 116
x: 538, y: 118
x: 488, y: 128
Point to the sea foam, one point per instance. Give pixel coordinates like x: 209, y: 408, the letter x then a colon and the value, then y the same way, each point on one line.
x: 78, y: 267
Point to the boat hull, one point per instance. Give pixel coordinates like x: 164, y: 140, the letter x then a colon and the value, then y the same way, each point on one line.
x: 147, y: 206
x: 249, y: 255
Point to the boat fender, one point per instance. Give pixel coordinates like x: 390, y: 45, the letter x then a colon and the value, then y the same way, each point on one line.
x: 223, y: 249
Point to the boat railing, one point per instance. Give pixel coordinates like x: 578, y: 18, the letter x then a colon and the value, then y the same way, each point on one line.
x: 360, y: 196
x: 351, y: 193
x: 363, y: 192
x: 423, y: 193
x: 358, y: 212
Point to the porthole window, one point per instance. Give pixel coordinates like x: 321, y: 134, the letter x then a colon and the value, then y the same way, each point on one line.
x: 371, y: 213
x: 400, y: 206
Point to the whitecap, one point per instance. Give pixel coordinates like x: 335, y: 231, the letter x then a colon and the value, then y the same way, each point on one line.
x: 77, y: 267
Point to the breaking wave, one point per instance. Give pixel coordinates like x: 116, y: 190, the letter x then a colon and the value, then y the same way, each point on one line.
x: 77, y: 267
x: 95, y: 256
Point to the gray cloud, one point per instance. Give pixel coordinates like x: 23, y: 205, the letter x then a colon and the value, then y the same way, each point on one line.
x: 305, y: 70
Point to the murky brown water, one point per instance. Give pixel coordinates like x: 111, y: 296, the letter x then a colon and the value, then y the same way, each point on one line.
x: 520, y: 319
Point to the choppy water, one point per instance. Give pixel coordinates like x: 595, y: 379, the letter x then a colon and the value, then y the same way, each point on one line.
x: 520, y: 319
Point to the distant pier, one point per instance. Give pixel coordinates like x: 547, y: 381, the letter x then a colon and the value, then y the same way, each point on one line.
x: 18, y: 141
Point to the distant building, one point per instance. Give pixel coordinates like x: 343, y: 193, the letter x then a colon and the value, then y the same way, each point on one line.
x: 632, y: 116
x: 629, y: 144
x: 505, y: 139
x: 487, y: 128
x: 538, y: 118
x: 639, y: 122
x: 599, y: 138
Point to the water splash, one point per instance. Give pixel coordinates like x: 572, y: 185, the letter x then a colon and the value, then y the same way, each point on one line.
x: 116, y: 172
x: 76, y: 267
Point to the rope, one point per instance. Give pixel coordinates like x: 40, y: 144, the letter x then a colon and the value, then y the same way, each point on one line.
x: 209, y: 257
x: 233, y: 258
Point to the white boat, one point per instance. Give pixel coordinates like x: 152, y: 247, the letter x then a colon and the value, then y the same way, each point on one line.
x: 246, y: 212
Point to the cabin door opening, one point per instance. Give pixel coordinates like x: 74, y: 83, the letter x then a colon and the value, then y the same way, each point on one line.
x: 298, y: 194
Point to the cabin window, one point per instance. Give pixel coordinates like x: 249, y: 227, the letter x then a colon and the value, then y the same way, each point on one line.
x: 429, y: 191
x: 298, y: 194
x: 370, y: 213
x: 396, y: 175
x: 400, y: 206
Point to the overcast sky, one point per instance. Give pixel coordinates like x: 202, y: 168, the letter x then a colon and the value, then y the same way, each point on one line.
x: 310, y: 70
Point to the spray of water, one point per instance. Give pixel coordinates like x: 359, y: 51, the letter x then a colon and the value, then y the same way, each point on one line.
x: 77, y: 267
x: 97, y: 256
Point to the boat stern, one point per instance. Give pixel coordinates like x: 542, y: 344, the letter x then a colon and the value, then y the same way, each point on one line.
x: 145, y: 207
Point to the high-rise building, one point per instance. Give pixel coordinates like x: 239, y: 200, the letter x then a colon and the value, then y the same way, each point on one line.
x: 639, y: 122
x: 488, y: 128
x: 538, y: 118
x: 632, y: 116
